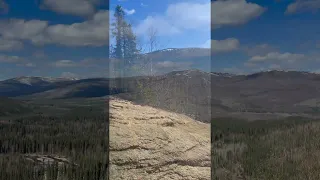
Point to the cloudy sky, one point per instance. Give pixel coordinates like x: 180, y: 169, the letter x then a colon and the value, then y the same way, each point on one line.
x: 251, y: 36
x: 179, y: 23
x: 246, y: 35
x: 70, y: 37
x: 53, y: 38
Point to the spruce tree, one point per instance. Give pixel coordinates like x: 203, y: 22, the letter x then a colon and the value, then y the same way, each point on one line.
x: 118, y: 32
x: 125, y: 47
x: 130, y: 47
x: 117, y: 48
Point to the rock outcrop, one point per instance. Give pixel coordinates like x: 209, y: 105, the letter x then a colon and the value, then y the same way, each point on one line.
x: 148, y: 144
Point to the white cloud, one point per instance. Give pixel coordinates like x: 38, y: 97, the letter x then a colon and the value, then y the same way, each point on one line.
x: 129, y: 12
x: 194, y: 15
x: 189, y: 15
x: 282, y: 61
x: 10, y: 45
x: 163, y: 26
x: 87, y: 62
x: 259, y: 50
x: 21, y: 29
x: 143, y: 5
x: 17, y: 60
x: 71, y: 7
x: 276, y: 56
x: 10, y: 59
x: 226, y: 45
x: 303, y: 6
x: 30, y: 65
x: 178, y: 17
x: 93, y: 32
x: 64, y: 63
x: 234, y: 12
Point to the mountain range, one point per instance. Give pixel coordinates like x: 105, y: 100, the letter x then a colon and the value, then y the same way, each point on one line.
x: 175, y: 59
x: 199, y: 94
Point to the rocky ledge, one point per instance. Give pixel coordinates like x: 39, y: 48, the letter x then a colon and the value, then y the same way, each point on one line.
x: 152, y: 144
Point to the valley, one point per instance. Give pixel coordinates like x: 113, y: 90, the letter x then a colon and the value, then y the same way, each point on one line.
x: 250, y: 116
x: 201, y: 95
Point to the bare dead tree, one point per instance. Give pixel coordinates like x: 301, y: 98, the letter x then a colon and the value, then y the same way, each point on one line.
x: 153, y: 43
x: 152, y: 38
x: 147, y: 44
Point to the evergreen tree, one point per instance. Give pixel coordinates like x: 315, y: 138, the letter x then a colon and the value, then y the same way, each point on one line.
x: 131, y: 45
x: 117, y: 51
x: 118, y: 32
x: 125, y: 47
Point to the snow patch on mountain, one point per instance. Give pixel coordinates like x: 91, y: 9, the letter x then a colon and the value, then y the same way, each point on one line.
x: 30, y: 80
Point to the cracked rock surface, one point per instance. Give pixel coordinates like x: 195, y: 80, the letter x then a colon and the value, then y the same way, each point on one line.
x: 149, y: 143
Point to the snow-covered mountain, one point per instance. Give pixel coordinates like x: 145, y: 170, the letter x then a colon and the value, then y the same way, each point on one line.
x: 30, y: 80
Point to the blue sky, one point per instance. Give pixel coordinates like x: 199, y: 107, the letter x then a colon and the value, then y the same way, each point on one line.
x: 247, y: 36
x: 175, y: 28
x: 178, y: 23
x: 280, y: 35
x: 49, y: 38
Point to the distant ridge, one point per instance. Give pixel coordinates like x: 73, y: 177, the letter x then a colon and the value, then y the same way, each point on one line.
x: 193, y: 92
x: 23, y: 79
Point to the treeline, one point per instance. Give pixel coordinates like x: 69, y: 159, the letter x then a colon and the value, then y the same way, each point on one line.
x: 223, y: 127
x: 82, y: 139
x: 244, y: 149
